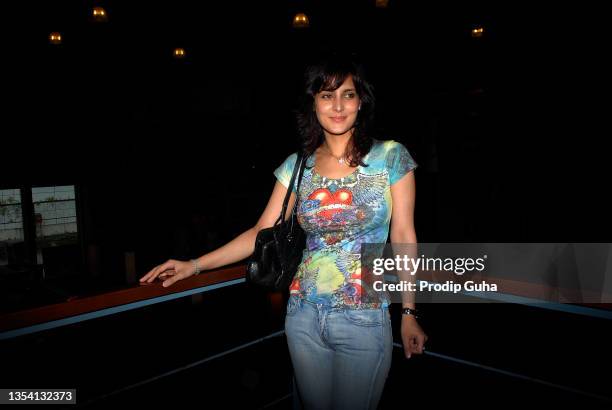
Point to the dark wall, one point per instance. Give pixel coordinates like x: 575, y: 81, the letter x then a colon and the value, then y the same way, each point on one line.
x: 175, y: 157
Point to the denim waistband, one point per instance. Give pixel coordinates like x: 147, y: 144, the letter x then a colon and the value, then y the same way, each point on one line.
x: 338, y: 308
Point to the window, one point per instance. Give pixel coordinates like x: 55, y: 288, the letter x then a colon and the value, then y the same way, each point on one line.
x: 48, y: 240
x: 11, y: 227
x: 55, y: 218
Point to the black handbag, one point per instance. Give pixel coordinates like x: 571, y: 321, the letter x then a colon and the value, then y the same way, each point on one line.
x: 278, y: 249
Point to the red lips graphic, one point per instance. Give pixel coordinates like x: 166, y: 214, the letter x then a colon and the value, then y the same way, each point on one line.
x: 326, y: 198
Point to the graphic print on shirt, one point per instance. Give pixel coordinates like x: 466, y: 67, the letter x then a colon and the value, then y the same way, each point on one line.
x: 338, y: 216
x: 335, y: 208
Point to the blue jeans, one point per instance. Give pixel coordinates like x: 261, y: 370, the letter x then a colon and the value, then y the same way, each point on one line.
x: 341, y: 357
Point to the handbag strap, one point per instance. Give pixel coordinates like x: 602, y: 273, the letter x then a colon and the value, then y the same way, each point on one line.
x: 297, y: 196
x: 297, y: 169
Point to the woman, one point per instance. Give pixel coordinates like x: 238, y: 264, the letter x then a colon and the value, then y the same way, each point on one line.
x: 354, y: 189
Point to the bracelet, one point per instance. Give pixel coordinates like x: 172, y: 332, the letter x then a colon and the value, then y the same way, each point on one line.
x: 408, y: 311
x: 197, y: 267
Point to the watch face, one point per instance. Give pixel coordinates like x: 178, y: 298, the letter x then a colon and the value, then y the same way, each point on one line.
x: 408, y: 311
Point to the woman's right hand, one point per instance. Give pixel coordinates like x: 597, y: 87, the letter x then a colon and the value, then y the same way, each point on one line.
x: 170, y: 272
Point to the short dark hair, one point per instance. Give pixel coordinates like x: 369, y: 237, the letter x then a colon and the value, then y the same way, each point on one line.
x: 328, y: 74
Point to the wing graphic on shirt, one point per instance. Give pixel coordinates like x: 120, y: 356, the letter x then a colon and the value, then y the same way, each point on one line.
x: 369, y: 189
x: 347, y: 262
x: 306, y: 186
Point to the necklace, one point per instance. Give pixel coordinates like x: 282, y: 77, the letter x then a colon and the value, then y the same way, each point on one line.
x: 341, y: 160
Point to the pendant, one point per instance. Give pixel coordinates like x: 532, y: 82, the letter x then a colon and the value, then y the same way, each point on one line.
x: 341, y: 161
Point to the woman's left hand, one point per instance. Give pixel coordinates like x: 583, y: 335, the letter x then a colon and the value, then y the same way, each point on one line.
x: 413, y: 336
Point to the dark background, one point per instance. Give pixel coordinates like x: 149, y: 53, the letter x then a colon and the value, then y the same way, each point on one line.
x: 174, y: 157
x: 503, y: 127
